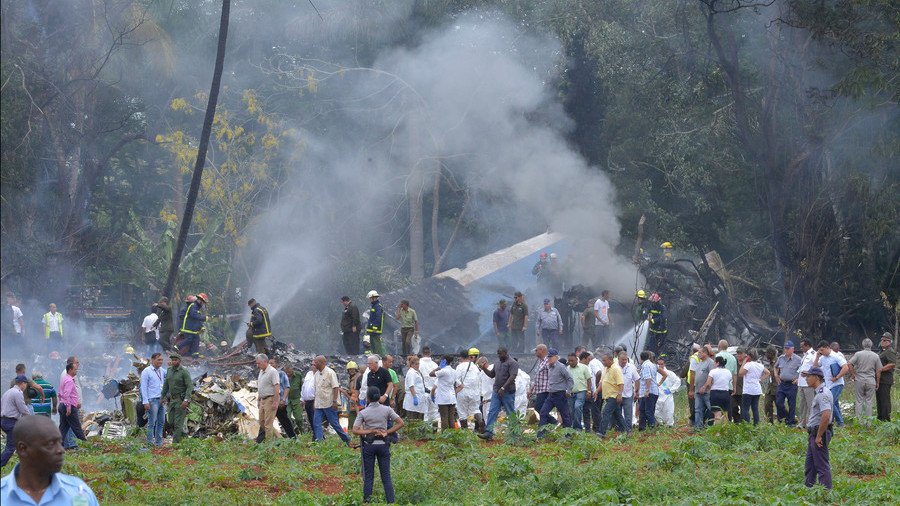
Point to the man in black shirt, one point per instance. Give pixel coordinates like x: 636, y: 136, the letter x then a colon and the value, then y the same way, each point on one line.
x: 350, y: 326
x: 381, y: 378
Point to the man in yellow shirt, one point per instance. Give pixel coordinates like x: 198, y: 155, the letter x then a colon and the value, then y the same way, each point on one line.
x: 612, y: 384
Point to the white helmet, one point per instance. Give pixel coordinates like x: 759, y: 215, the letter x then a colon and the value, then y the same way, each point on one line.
x: 552, y: 255
x: 372, y: 293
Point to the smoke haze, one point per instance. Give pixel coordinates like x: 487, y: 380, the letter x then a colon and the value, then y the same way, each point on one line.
x: 473, y: 97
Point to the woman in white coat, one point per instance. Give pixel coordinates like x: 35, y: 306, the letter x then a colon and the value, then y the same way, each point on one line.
x: 416, y: 400
x: 669, y: 383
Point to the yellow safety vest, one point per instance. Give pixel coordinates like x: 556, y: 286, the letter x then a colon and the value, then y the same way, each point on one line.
x: 46, y: 320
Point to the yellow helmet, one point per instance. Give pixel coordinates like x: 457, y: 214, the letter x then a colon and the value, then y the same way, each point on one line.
x: 129, y: 350
x: 473, y: 352
x: 352, y: 365
x: 641, y: 294
x: 666, y: 245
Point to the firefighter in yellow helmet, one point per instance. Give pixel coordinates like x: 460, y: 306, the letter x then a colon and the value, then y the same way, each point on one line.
x: 668, y: 251
x: 640, y: 308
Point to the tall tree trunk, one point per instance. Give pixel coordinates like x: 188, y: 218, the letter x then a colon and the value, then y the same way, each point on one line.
x: 201, y: 150
x: 415, y: 187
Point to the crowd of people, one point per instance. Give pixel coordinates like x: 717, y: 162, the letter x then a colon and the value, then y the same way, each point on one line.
x: 599, y: 391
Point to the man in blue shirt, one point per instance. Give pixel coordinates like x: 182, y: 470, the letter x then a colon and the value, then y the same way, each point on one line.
x: 37, y: 478
x: 649, y: 391
x: 151, y: 389
x: 287, y: 427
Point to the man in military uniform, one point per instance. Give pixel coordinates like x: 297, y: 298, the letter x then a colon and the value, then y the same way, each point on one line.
x: 177, y: 387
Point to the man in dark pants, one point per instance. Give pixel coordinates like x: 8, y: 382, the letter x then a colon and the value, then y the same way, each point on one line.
x: 819, y: 429
x: 518, y: 322
x: 164, y: 323
x: 287, y: 427
x: 888, y: 358
x: 350, y: 326
x: 13, y: 408
x: 787, y: 377
x: 371, y: 426
x: 559, y: 386
x: 539, y: 380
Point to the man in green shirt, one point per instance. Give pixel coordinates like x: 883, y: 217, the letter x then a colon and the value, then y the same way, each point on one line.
x: 177, y: 387
x: 581, y: 389
x: 388, y: 362
x: 409, y: 325
x: 46, y: 406
x: 518, y: 322
x: 295, y: 403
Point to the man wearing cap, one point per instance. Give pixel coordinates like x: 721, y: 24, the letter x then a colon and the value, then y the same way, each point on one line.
x: 888, y: 358
x: 865, y: 369
x: 295, y: 406
x: 350, y: 325
x: 351, y: 392
x: 518, y: 322
x: 549, y: 325
x: 501, y: 324
x: 819, y: 429
x: 787, y: 376
x: 177, y: 387
x: 559, y: 386
x: 468, y: 394
x: 12, y: 408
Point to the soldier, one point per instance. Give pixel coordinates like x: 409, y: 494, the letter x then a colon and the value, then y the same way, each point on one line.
x: 177, y: 388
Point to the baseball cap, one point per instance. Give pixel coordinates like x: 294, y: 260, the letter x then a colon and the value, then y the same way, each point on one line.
x: 175, y: 355
x: 815, y: 371
x: 21, y: 379
x: 789, y: 344
x: 546, y: 301
x: 887, y: 337
x: 553, y: 352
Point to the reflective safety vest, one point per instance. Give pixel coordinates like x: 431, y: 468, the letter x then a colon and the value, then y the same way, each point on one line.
x: 376, y: 319
x: 259, y: 323
x: 658, y: 319
x: 191, y: 319
x: 46, y: 321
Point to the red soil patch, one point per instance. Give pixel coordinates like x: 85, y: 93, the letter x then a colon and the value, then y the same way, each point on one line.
x: 867, y: 477
x: 141, y: 484
x: 88, y: 468
x: 260, y: 485
x: 329, y: 485
x: 164, y: 451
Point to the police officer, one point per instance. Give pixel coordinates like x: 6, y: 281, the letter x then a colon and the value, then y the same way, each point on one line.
x: 372, y: 426
x: 259, y: 327
x: 819, y: 429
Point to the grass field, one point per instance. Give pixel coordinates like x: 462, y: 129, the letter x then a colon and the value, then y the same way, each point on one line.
x: 729, y: 464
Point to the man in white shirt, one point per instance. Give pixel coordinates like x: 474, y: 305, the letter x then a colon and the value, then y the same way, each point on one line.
x: 268, y: 384
x: 426, y: 366
x: 468, y: 398
x: 806, y: 393
x: 327, y: 400
x: 445, y: 394
x: 835, y: 367
x: 631, y: 378
x: 602, y: 322
x: 592, y: 404
x: 13, y: 319
x: 308, y: 396
x: 151, y: 388
x: 53, y: 325
x: 151, y: 333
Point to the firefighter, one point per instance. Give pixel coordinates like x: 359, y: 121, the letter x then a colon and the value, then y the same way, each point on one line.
x: 191, y: 321
x: 375, y: 326
x: 668, y: 251
x: 259, y: 327
x: 640, y: 307
x: 658, y: 329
